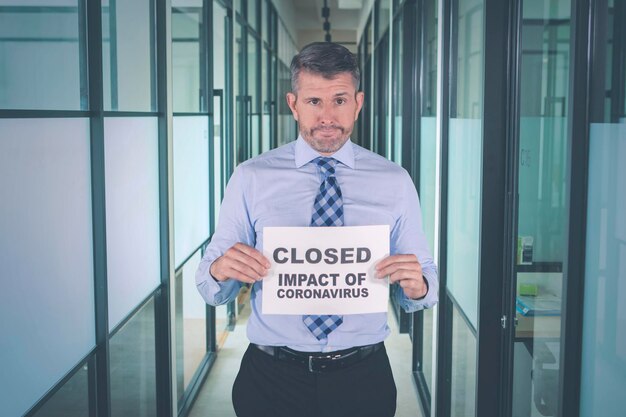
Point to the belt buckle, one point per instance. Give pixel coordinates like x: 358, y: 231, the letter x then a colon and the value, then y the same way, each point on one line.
x: 312, y: 369
x: 328, y: 358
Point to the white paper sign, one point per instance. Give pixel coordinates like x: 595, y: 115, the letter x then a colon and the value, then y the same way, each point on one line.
x: 325, y: 270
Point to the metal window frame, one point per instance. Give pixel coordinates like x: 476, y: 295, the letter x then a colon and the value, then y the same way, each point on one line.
x: 583, y: 66
x: 440, y: 402
x: 496, y: 202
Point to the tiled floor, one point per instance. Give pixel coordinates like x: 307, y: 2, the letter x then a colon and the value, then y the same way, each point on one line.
x: 214, y: 398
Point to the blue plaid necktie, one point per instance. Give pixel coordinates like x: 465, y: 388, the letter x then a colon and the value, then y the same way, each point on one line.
x: 327, y: 211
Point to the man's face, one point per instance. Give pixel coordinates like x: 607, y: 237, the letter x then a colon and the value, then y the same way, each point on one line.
x: 325, y: 110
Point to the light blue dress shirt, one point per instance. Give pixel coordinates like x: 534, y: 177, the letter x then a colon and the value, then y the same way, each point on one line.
x: 278, y: 188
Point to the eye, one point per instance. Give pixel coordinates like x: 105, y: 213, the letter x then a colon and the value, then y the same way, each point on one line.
x: 340, y: 101
x: 314, y: 101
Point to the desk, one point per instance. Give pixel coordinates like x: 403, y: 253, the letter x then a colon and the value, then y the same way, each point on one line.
x: 531, y: 327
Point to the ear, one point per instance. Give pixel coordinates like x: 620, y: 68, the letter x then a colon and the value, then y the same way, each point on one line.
x: 360, y: 96
x: 291, y: 102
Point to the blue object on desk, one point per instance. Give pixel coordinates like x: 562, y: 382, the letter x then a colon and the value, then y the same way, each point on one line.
x: 540, y: 305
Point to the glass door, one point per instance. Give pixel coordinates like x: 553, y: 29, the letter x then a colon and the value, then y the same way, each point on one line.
x: 603, y: 374
x: 542, y: 207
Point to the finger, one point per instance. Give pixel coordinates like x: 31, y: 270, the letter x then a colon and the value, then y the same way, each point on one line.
x: 390, y: 269
x: 236, y: 274
x: 253, y: 253
x: 404, y: 275
x: 412, y: 289
x: 244, y: 269
x: 394, y: 259
x: 238, y: 256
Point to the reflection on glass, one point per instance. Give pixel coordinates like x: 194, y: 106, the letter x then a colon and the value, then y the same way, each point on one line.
x: 188, y: 91
x: 133, y: 367
x: 40, y: 65
x: 221, y: 324
x: 464, y: 196
x: 191, y: 336
x: 463, y: 379
x: 427, y: 348
x: 128, y: 55
x: 604, y: 327
x: 72, y: 399
x: 542, y: 208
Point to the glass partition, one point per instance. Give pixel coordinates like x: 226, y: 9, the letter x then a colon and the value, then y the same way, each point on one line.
x: 399, y: 87
x: 191, y: 325
x: 46, y: 255
x: 42, y: 50
x: 428, y: 161
x: 382, y: 16
x: 132, y: 212
x: 189, y: 89
x: 128, y: 54
x: 253, y: 102
x: 72, y: 399
x: 464, y: 196
x: 603, y: 365
x: 191, y: 185
x: 133, y: 365
x: 542, y: 205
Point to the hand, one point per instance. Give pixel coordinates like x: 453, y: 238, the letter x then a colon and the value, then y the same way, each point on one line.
x: 406, y: 271
x: 242, y: 263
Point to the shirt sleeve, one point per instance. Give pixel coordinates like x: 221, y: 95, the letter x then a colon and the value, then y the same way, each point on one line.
x: 407, y: 237
x: 233, y: 226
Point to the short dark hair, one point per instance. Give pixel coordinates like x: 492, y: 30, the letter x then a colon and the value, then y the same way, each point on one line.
x: 327, y: 59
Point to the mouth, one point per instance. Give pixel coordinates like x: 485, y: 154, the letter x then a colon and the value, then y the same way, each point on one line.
x: 327, y: 130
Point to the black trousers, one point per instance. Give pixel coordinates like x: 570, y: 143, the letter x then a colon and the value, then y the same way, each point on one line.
x: 268, y: 387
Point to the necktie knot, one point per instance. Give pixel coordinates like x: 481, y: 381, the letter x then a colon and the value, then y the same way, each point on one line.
x: 327, y: 165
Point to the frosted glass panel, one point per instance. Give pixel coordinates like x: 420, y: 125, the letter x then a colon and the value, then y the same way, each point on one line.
x: 132, y: 211
x: 428, y: 163
x: 47, y: 292
x: 39, y: 55
x: 464, y: 195
x: 191, y: 185
x: 604, y: 327
x: 542, y: 169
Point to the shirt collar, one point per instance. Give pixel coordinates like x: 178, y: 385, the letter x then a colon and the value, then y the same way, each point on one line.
x: 305, y: 154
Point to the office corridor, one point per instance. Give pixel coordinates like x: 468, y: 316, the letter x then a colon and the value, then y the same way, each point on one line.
x: 122, y: 122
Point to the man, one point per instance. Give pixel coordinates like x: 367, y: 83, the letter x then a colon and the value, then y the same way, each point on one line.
x: 298, y: 366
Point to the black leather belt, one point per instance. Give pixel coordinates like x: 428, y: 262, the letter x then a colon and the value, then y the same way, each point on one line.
x: 319, y: 362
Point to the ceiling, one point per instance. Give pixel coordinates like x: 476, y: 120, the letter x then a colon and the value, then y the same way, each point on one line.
x: 344, y: 14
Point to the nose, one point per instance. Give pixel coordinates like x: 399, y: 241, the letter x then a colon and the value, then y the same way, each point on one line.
x: 326, y: 116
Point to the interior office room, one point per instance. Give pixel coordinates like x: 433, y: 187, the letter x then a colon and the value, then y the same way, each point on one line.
x: 121, y: 122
